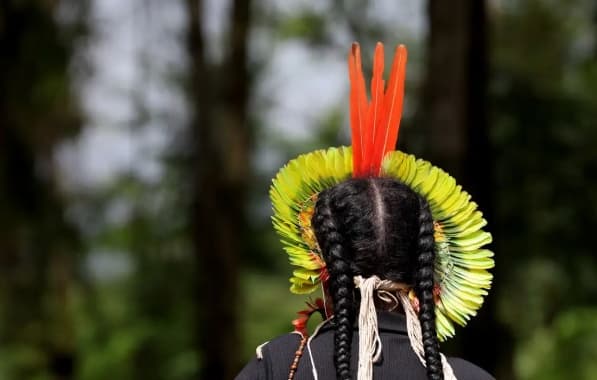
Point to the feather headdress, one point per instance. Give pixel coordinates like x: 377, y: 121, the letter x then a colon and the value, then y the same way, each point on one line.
x: 461, y: 267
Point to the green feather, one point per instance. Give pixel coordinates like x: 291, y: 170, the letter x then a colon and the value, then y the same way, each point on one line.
x: 292, y: 187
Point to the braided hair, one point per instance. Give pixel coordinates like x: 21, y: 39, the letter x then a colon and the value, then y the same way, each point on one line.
x: 424, y: 290
x: 376, y: 226
x: 340, y: 284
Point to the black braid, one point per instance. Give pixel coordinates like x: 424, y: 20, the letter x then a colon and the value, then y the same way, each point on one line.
x: 424, y: 288
x: 341, y: 285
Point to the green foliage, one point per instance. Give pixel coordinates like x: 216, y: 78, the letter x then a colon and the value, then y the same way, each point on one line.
x: 563, y: 350
x: 118, y: 342
x: 544, y: 112
x: 261, y: 320
x: 307, y: 25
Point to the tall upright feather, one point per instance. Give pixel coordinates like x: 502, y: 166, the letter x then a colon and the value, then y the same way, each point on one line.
x: 387, y: 136
x: 375, y: 124
x: 358, y: 106
x: 374, y: 112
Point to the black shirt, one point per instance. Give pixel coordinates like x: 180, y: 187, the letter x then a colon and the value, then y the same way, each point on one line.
x: 398, y: 359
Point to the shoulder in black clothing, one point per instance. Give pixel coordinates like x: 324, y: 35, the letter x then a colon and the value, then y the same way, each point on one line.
x: 277, y: 356
x: 279, y: 353
x: 468, y: 371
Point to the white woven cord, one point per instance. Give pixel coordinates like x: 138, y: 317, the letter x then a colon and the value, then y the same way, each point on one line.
x: 415, y: 336
x: 259, y: 350
x: 369, y: 342
x: 313, y: 368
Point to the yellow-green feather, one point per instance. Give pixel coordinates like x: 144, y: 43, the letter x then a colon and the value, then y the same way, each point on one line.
x: 294, y: 185
x: 461, y: 266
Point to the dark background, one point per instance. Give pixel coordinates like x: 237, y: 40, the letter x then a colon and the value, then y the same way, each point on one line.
x: 138, y: 139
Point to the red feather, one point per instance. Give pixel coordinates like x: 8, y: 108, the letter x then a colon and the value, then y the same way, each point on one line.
x: 375, y: 125
x: 358, y: 105
x: 374, y: 112
x: 393, y: 102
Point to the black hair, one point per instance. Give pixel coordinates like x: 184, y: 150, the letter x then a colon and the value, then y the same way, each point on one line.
x: 376, y: 226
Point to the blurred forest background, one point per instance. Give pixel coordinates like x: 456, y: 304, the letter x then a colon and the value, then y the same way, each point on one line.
x: 138, y: 139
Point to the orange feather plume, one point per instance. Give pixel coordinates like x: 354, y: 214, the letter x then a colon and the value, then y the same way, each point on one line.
x: 375, y: 124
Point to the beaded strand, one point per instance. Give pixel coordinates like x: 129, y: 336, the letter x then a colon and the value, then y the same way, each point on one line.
x: 297, y: 357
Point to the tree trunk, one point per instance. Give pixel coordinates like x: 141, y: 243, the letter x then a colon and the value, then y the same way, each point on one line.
x: 37, y: 245
x: 455, y: 114
x: 221, y: 170
x: 445, y: 92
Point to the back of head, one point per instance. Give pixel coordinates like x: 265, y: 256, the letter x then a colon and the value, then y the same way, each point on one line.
x: 376, y: 226
x: 377, y: 220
